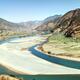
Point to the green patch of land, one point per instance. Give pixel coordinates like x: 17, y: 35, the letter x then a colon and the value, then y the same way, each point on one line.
x: 61, y: 45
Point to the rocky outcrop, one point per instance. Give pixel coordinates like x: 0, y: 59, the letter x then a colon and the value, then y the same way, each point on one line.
x: 69, y: 24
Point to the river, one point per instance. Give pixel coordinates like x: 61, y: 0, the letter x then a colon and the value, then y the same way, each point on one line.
x: 19, y: 62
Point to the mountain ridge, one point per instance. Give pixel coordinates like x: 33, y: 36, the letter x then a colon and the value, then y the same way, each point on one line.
x: 69, y: 24
x: 48, y: 23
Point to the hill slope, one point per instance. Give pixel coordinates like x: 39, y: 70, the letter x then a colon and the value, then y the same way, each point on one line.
x: 48, y: 23
x: 11, y: 29
x: 30, y: 25
x: 69, y: 23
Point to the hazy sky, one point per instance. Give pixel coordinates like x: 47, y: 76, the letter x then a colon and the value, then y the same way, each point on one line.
x: 25, y: 10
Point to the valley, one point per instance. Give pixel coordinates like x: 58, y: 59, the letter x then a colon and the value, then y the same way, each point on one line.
x: 48, y: 47
x: 24, y: 62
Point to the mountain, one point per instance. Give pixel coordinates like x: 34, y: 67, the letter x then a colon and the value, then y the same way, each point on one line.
x: 69, y: 24
x: 51, y: 18
x: 31, y: 25
x: 48, y: 23
x: 8, y: 29
x: 6, y: 25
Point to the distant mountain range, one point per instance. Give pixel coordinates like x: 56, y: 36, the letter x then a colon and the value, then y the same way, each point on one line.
x: 48, y: 23
x: 69, y: 24
x: 10, y: 28
x: 6, y: 25
x: 24, y: 26
x: 30, y: 25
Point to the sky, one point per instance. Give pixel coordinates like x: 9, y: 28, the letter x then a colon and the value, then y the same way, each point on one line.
x: 30, y: 10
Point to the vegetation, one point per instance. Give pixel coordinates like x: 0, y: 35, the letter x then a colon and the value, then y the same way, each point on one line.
x: 60, y: 38
x: 58, y: 42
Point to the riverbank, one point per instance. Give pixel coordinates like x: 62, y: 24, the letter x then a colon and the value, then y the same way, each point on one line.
x: 13, y: 70
x: 62, y: 47
x: 23, y: 61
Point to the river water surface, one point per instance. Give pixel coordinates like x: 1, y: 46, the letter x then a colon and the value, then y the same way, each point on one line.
x: 18, y: 62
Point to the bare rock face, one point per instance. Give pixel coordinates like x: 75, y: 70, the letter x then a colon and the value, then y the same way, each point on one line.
x: 69, y: 24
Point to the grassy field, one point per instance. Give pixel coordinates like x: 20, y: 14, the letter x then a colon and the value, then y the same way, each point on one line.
x: 59, y: 44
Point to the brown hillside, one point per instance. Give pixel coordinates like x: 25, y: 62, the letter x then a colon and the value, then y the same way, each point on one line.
x: 69, y: 23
